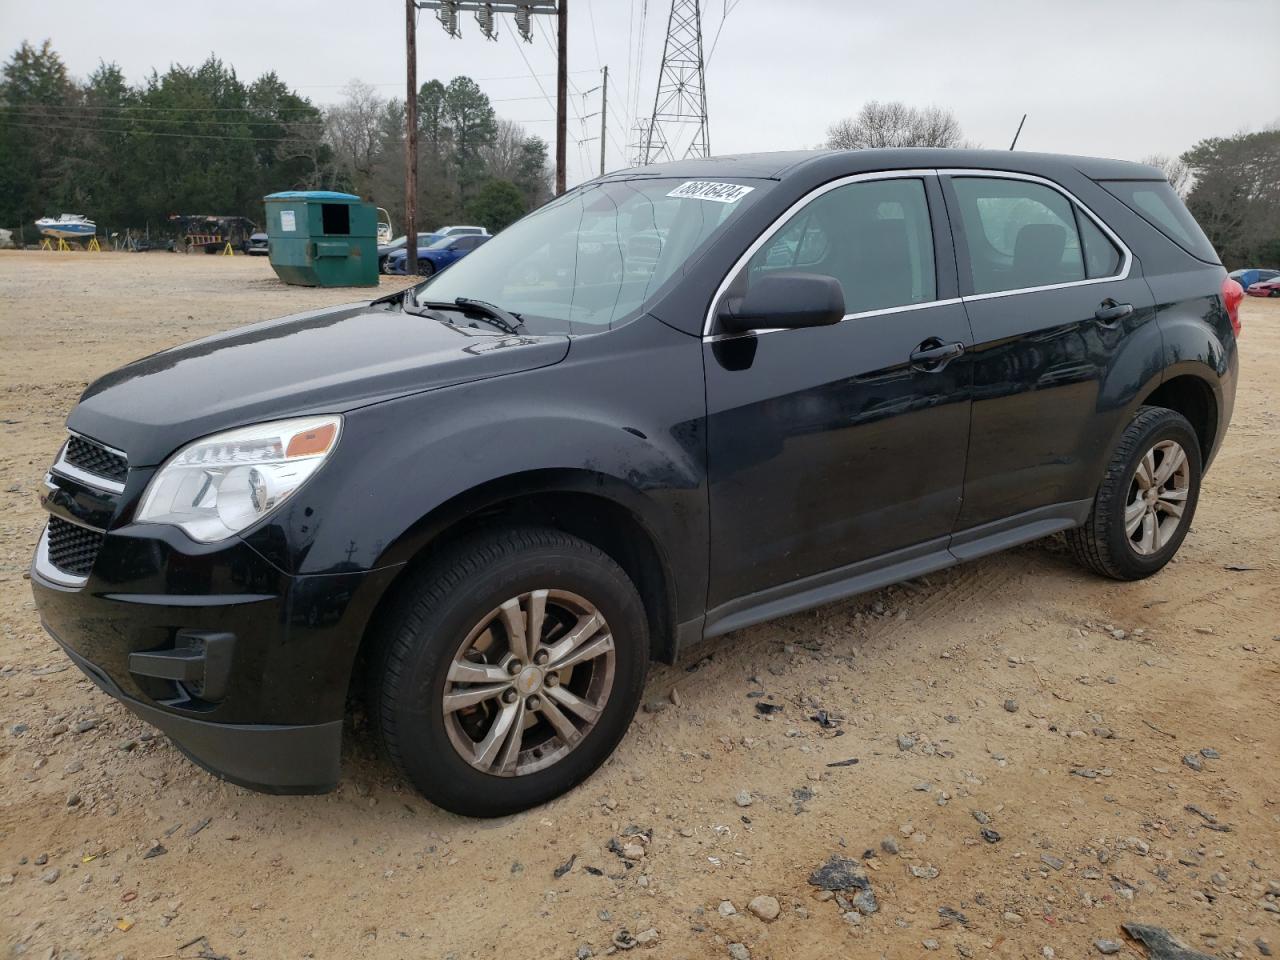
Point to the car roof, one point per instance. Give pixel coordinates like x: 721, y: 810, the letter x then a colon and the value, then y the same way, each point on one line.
x: 780, y: 165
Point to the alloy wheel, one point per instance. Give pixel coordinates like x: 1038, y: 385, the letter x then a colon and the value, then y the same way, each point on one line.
x: 529, y: 682
x: 1157, y: 497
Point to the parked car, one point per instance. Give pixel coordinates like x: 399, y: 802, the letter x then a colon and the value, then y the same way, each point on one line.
x: 434, y: 258
x: 461, y: 231
x: 1247, y: 278
x: 1265, y: 288
x: 257, y: 245
x: 385, y: 250
x: 488, y: 504
x: 424, y: 240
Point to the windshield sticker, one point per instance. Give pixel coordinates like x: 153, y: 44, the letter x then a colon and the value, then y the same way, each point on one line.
x: 710, y: 190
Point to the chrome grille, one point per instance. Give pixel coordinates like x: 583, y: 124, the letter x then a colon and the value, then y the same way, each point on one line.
x: 72, y: 548
x: 92, y: 457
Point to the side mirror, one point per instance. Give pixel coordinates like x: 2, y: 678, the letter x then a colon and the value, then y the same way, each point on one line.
x: 785, y: 300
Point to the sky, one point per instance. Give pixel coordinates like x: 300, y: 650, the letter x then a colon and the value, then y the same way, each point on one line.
x: 1113, y: 78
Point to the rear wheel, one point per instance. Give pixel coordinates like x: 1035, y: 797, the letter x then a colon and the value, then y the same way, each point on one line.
x: 1145, y: 502
x: 510, y: 671
x: 426, y: 268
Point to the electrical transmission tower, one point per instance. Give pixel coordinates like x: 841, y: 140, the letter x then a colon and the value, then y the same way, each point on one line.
x: 681, y: 98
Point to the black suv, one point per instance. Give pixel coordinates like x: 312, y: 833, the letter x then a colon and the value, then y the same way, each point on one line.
x: 674, y: 402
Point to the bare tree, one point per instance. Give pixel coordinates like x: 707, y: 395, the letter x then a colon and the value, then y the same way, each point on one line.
x: 895, y: 124
x: 353, y: 128
x: 1178, y: 174
x: 502, y: 155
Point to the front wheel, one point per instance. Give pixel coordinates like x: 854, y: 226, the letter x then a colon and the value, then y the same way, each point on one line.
x: 1145, y: 503
x: 510, y: 671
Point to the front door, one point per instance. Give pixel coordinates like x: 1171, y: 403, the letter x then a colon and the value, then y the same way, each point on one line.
x: 830, y: 445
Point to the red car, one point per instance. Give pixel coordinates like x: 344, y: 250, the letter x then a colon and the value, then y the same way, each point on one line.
x: 1265, y: 288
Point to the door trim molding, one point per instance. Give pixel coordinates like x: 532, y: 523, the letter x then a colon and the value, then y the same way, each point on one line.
x: 916, y: 174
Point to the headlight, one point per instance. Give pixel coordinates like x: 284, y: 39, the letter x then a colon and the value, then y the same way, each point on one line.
x: 217, y: 486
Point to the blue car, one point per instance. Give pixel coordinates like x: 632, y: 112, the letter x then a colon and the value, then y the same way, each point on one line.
x: 434, y: 258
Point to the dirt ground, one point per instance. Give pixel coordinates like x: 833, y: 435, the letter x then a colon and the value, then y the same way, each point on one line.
x: 1016, y: 694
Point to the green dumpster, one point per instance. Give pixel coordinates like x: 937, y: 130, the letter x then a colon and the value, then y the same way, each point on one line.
x: 318, y: 238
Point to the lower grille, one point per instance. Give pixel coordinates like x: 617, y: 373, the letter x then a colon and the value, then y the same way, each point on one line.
x: 93, y: 457
x: 72, y: 549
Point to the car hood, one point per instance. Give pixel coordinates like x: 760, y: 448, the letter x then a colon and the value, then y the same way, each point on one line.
x: 324, y: 361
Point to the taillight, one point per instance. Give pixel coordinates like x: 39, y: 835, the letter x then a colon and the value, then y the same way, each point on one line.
x: 1232, y: 294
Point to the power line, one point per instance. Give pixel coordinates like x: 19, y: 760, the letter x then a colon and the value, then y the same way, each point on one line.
x: 595, y: 40
x: 581, y: 143
x: 519, y: 76
x: 727, y: 9
x: 150, y: 107
x: 157, y: 133
x: 71, y: 114
x: 533, y: 76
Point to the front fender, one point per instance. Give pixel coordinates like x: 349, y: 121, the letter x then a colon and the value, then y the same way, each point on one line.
x: 621, y: 417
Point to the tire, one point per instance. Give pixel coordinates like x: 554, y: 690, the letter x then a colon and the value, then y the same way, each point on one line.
x: 426, y: 268
x: 433, y: 624
x: 1103, y: 544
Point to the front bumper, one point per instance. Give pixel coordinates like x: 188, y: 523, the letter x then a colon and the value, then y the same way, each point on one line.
x: 271, y: 758
x: 145, y: 622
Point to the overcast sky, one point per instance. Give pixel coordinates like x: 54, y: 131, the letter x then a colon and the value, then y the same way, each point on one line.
x: 1115, y: 78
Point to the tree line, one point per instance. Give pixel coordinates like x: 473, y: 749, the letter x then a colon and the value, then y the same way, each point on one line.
x: 199, y: 140
x: 1230, y: 184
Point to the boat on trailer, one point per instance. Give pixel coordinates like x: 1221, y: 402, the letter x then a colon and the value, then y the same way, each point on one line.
x: 67, y: 226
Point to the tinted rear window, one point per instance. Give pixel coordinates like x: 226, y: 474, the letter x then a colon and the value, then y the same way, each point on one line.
x: 1155, y: 202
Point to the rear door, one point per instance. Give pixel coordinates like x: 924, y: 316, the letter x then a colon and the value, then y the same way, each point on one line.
x: 1054, y: 299
x: 830, y: 445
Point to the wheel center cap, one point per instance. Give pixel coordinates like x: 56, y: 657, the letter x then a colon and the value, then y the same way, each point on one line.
x: 528, y: 680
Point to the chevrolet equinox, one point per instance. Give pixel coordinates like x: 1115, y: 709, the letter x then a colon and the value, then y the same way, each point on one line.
x: 674, y: 402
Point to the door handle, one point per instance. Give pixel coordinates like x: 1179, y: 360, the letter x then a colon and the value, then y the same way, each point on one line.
x: 933, y: 354
x: 1110, y: 312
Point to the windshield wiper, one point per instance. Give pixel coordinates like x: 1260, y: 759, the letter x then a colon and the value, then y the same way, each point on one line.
x: 502, y: 319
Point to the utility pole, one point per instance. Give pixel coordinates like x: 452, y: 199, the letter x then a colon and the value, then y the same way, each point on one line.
x: 411, y: 137
x: 562, y: 91
x: 604, y: 115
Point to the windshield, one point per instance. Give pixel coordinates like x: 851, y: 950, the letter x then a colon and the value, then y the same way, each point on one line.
x: 595, y: 257
x: 437, y: 244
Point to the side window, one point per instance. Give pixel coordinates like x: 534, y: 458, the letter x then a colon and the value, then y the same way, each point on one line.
x: 1101, y: 258
x: 1019, y: 234
x: 874, y: 237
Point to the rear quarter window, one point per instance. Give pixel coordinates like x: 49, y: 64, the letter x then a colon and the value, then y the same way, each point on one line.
x: 1155, y: 202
